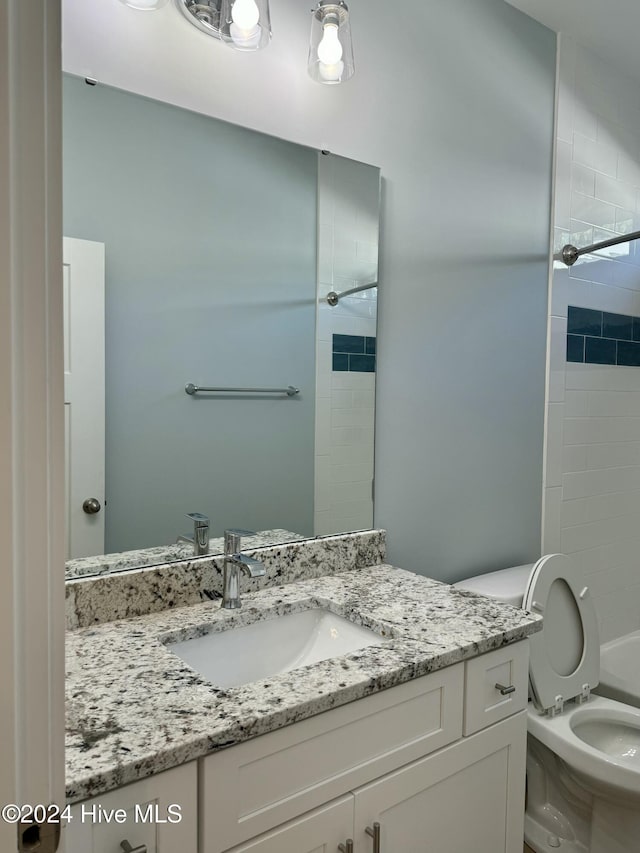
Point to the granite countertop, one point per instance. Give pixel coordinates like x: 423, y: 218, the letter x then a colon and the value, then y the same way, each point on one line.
x: 135, y: 709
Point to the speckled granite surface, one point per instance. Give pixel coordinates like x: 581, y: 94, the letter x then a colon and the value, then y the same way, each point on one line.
x: 124, y: 560
x: 134, y: 708
x: 91, y: 601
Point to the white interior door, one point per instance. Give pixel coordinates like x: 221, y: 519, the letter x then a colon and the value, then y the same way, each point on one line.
x: 83, y: 283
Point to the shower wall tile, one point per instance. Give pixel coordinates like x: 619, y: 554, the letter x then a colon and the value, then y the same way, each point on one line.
x: 597, y: 337
x: 584, y: 321
x: 575, y: 348
x: 362, y: 363
x: 354, y: 353
x: 599, y: 351
x: 584, y: 180
x: 628, y: 353
x: 592, y: 471
x: 348, y: 343
x: 617, y: 326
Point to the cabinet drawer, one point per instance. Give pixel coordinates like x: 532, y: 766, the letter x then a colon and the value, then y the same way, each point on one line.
x: 96, y: 826
x: 253, y: 787
x: 485, y: 701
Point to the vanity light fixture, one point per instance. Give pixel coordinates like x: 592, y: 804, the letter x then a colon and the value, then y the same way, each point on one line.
x: 331, y: 49
x: 242, y: 24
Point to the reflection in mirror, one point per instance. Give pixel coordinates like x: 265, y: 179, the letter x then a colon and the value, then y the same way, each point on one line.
x: 348, y: 225
x: 201, y: 252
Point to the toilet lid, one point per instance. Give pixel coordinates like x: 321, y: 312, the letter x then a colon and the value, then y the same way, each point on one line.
x: 565, y: 655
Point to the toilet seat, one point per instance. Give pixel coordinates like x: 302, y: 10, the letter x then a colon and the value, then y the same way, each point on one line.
x: 565, y: 655
x: 602, y: 767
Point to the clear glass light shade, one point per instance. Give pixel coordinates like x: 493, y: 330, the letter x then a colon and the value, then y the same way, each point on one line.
x: 145, y: 5
x: 245, y: 24
x: 331, y: 49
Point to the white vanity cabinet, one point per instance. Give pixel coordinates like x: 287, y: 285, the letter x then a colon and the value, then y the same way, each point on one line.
x: 467, y: 797
x: 398, y: 758
x: 151, y: 825
x: 438, y: 762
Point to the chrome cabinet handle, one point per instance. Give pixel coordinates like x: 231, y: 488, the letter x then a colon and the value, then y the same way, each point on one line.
x: 505, y: 690
x: 375, y: 834
x: 91, y: 506
x: 127, y: 848
x: 346, y: 848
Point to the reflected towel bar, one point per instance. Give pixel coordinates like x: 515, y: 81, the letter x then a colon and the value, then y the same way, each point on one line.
x: 333, y: 298
x: 290, y: 391
x: 570, y: 254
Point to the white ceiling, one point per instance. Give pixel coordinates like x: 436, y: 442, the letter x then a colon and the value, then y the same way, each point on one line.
x: 609, y: 27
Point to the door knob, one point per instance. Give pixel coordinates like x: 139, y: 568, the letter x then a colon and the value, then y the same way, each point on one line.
x: 91, y: 506
x: 127, y: 848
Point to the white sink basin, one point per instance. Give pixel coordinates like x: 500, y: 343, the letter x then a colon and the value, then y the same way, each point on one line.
x: 264, y: 649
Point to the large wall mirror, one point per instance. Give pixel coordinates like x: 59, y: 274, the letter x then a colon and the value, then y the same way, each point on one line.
x: 201, y: 253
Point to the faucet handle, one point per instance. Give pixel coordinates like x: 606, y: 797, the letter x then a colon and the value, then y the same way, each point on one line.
x: 238, y: 531
x: 198, y: 519
x: 232, y: 539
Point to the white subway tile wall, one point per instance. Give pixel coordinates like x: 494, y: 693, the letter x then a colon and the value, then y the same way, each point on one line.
x: 344, y: 422
x: 592, y: 472
x: 347, y: 257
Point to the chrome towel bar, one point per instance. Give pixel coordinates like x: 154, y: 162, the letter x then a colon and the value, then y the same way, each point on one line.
x: 290, y: 391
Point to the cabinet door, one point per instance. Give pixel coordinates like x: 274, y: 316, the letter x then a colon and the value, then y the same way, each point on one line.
x: 96, y: 827
x: 468, y: 797
x: 319, y: 831
x: 269, y: 780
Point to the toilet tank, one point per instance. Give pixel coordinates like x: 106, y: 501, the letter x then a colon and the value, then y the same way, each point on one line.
x: 506, y: 585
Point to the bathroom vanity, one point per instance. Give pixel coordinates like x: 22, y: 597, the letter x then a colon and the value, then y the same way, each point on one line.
x: 399, y: 745
x: 399, y: 758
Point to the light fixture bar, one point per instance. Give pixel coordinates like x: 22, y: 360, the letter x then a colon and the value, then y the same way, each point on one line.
x: 242, y: 24
x: 205, y: 15
x: 144, y: 5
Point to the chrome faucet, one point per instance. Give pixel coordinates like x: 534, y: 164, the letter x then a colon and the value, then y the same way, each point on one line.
x: 234, y: 563
x: 200, y: 538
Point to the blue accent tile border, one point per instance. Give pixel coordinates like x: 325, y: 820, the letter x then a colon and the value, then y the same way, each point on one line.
x: 584, y: 321
x: 348, y: 343
x: 599, y: 337
x: 354, y: 354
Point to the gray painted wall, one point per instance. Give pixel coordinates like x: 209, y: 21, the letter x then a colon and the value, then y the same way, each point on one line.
x: 210, y: 234
x: 454, y: 101
x: 459, y: 447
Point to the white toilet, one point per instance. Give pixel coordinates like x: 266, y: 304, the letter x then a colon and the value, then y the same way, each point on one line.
x: 583, y: 761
